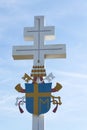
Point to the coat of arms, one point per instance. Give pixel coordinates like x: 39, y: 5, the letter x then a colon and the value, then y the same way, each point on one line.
x: 38, y: 96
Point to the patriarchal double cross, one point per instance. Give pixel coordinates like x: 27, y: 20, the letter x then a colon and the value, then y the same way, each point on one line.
x: 39, y: 51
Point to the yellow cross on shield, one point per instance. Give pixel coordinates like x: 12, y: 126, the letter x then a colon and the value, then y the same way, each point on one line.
x: 38, y: 97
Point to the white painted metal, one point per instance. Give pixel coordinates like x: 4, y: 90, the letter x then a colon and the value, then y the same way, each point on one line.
x: 39, y: 31
x: 39, y: 51
x: 38, y: 122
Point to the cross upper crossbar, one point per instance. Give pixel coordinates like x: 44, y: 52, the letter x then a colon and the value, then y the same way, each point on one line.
x: 39, y: 29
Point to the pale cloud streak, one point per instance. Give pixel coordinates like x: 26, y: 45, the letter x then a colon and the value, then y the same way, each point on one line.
x: 73, y: 74
x: 7, y: 102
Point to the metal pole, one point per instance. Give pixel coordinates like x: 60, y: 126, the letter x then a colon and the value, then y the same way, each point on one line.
x: 38, y: 121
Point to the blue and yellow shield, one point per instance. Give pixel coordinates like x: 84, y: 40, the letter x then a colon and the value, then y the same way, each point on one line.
x: 38, y: 97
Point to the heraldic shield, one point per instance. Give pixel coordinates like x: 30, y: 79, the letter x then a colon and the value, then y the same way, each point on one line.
x: 38, y: 97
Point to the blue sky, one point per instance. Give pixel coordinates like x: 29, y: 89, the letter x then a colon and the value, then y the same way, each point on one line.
x: 70, y: 20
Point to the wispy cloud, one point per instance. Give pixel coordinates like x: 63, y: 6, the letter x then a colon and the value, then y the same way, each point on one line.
x: 7, y: 102
x: 8, y: 2
x: 73, y: 74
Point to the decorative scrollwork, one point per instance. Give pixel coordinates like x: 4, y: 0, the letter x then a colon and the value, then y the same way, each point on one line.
x: 56, y: 101
x: 20, y: 101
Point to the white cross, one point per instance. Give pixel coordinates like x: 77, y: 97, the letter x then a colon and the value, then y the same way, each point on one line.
x: 39, y: 51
